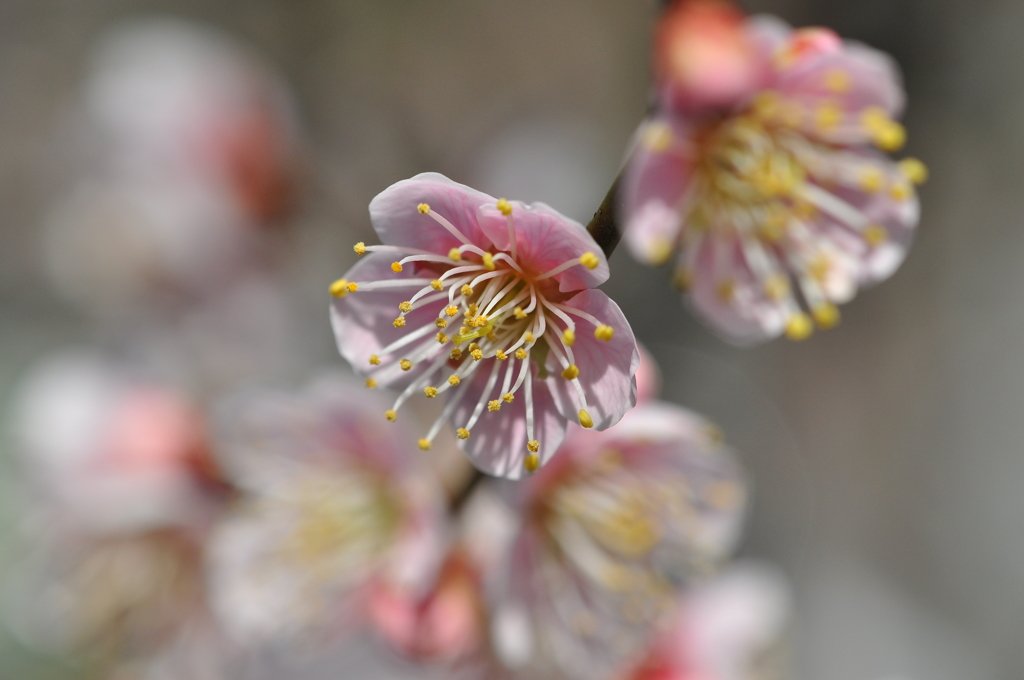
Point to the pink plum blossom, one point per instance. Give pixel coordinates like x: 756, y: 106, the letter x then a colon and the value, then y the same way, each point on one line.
x: 493, y: 302
x: 766, y: 181
x: 611, y: 531
x: 330, y: 502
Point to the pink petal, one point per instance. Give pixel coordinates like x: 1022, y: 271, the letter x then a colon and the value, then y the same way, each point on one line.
x: 398, y: 222
x: 497, y: 443
x: 546, y: 239
x: 607, y: 369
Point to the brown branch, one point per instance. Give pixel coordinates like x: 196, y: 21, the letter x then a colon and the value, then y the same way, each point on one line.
x: 604, y: 227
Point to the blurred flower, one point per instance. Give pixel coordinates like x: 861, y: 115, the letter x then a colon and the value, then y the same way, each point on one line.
x: 331, y: 502
x: 611, y: 531
x: 519, y: 282
x: 730, y: 628
x: 757, y: 167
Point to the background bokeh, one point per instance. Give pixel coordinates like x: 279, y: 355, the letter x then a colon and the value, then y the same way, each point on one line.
x: 888, y: 454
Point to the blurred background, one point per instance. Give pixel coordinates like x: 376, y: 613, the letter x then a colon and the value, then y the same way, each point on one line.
x: 886, y: 454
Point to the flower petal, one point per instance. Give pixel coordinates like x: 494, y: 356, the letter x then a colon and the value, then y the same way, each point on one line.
x: 607, y: 369
x: 398, y: 222
x: 546, y: 239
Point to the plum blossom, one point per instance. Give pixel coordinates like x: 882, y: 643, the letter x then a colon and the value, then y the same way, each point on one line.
x: 330, y: 503
x: 761, y: 171
x: 611, y: 531
x: 493, y: 302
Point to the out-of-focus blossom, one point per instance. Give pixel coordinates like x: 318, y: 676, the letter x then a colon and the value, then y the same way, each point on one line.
x: 762, y: 167
x: 493, y: 301
x: 195, y: 147
x: 730, y: 628
x: 331, y: 503
x: 612, y: 529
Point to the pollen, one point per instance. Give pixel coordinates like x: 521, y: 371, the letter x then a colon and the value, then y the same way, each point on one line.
x: 819, y: 267
x: 437, y: 284
x: 520, y: 354
x: 661, y: 251
x: 451, y: 311
x: 424, y: 444
x: 462, y: 433
x: 504, y: 207
x: 423, y: 208
x: 500, y: 355
x: 604, y: 333
x: 914, y: 170
x: 528, y: 337
x: 589, y: 260
x: 431, y: 392
x: 405, y: 307
x: 339, y: 288
x: 405, y: 364
x: 399, y: 322
x: 396, y: 267
x: 826, y: 316
x: 488, y: 261
x: 571, y: 372
x: 477, y: 354
x: 454, y: 255
x: 837, y: 81
x: 371, y: 383
x: 568, y: 337
x: 454, y: 380
x: 441, y: 323
x: 533, y: 446
x: 585, y: 419
x: 466, y: 290
x: 374, y: 360
x: 508, y: 397
x: 875, y: 235
x: 494, y: 405
x: 441, y: 338
x: 455, y: 355
x: 799, y: 327
x: 776, y: 287
x: 892, y: 137
x: 870, y: 180
x: 532, y: 462
x: 828, y: 116
x: 900, y: 191
x: 391, y: 415
x: 519, y: 313
x: 360, y: 248
x: 472, y: 310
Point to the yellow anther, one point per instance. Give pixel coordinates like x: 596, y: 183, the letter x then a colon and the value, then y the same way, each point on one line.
x: 900, y: 191
x: 371, y: 383
x: 568, y: 337
x: 528, y: 337
x: 875, y: 235
x: 466, y: 290
x: 437, y: 284
x: 391, y: 415
x: 454, y: 254
x: 454, y: 380
x: 519, y: 313
x: 874, y: 119
x: 500, y: 355
x: 892, y: 137
x: 405, y: 364
x: 660, y: 252
x: 431, y: 392
x: 682, y: 280
x: 405, y: 307
x: 657, y: 137
x: 766, y: 104
x: 481, y: 321
x: 508, y: 397
x: 441, y: 338
x: 441, y: 323
x: 494, y: 405
x: 396, y: 267
x: 871, y: 179
x: 804, y: 209
x: 360, y: 248
x: 353, y: 287
x: 532, y: 462
x: 776, y: 287
x: 462, y: 433
x: 828, y: 116
x: 504, y: 207
x: 826, y: 315
x: 520, y: 354
x: 456, y: 354
x: 533, y: 446
x: 725, y: 290
x: 837, y: 81
x: 374, y: 360
x: 423, y: 208
x: 399, y: 322
x: 914, y: 170
x: 571, y: 372
x: 424, y: 444
x: 585, y: 419
x: 589, y: 260
x: 488, y: 261
x: 604, y: 333
x: 473, y: 346
x: 339, y: 288
x: 477, y: 354
x: 451, y: 310
x: 471, y: 310
x: 799, y: 327
x: 819, y: 267
x: 464, y: 330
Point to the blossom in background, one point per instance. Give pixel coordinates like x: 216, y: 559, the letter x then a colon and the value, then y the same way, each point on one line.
x: 492, y: 301
x: 761, y: 169
x: 330, y: 504
x: 611, y: 531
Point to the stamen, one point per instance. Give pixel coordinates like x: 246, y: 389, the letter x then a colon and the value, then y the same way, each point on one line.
x: 585, y: 419
x: 339, y: 288
x: 360, y: 248
x: 462, y: 433
x: 431, y: 392
x: 425, y: 209
x: 494, y: 405
x: 454, y: 380
x: 405, y: 307
x: 454, y: 254
x: 532, y: 461
x: 399, y: 322
x: 588, y: 260
x: 440, y: 323
x: 456, y: 354
x: 371, y: 383
x: 914, y: 170
x: 391, y: 283
x: 437, y: 284
x: 424, y: 444
x: 466, y: 291
x: 505, y: 208
x: 391, y: 415
x: 479, y: 409
x: 441, y: 338
x: 488, y: 261
x: 531, y: 443
x: 604, y: 333
x: 374, y: 360
x: 799, y: 327
x: 571, y: 372
x: 396, y: 267
x: 533, y: 446
x: 405, y: 364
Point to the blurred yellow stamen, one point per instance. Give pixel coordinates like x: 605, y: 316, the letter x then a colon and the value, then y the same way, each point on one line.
x: 360, y: 248
x: 799, y: 327
x: 589, y: 260
x: 532, y: 462
x: 396, y: 267
x: 568, y: 337
x: 604, y: 333
x: 533, y: 446
x: 423, y: 208
x: 494, y: 405
x: 585, y: 419
x: 391, y: 415
x: 462, y: 433
x: 504, y: 207
x: 431, y: 392
x: 405, y: 364
x: 424, y: 444
x: 571, y: 372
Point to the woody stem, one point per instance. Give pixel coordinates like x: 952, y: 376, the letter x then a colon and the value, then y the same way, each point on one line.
x: 604, y: 226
